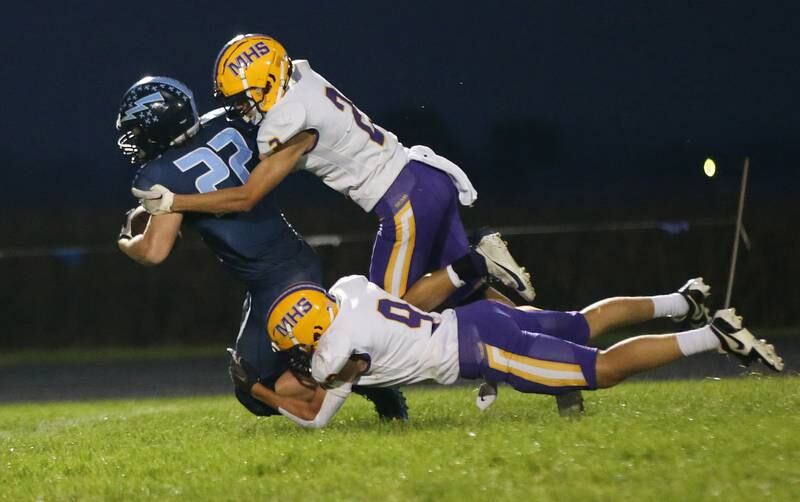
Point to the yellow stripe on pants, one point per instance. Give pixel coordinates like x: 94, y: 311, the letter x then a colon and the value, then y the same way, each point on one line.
x: 551, y: 373
x: 395, y: 279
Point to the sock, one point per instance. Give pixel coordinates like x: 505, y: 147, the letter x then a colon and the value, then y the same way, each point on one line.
x: 672, y: 305
x: 697, y: 340
x: 466, y: 269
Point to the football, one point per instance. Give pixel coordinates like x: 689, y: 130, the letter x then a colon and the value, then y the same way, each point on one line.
x: 138, y: 218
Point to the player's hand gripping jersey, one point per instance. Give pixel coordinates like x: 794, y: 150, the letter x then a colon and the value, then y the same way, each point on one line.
x: 402, y: 344
x: 255, y: 246
x: 353, y: 156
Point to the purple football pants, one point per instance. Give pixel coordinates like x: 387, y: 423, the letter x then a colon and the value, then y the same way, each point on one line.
x: 419, y: 230
x: 539, y: 351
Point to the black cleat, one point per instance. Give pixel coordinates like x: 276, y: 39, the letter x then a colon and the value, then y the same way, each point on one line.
x: 570, y: 404
x: 487, y: 395
x: 390, y: 404
x: 695, y: 291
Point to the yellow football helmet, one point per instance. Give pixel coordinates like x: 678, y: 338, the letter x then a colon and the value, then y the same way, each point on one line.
x: 250, y: 75
x: 300, y: 316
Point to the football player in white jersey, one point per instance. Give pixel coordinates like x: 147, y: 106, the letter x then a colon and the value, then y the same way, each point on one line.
x: 358, y: 333
x: 304, y: 122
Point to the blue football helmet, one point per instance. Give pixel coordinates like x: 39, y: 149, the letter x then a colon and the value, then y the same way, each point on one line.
x: 155, y: 114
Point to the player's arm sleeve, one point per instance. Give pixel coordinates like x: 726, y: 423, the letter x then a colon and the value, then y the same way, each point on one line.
x: 329, y: 359
x: 280, y: 125
x: 334, y: 399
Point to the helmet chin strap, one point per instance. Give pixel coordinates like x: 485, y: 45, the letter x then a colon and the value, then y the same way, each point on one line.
x: 186, y: 135
x: 254, y: 114
x: 282, y: 87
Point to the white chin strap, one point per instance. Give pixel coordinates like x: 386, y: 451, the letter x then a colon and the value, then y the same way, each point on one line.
x: 185, y: 136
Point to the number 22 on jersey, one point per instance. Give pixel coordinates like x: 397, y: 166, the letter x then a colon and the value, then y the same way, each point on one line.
x: 218, y: 169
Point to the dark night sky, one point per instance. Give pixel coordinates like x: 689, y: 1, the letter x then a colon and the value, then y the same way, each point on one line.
x: 614, y: 82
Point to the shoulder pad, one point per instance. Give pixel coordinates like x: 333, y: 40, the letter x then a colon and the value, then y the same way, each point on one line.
x: 349, y: 283
x: 299, y: 67
x: 331, y: 355
x: 280, y: 125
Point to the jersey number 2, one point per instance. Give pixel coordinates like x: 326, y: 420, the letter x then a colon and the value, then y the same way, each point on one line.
x: 218, y: 170
x: 362, y: 121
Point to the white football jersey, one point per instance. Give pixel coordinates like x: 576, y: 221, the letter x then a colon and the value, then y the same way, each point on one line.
x: 352, y: 155
x: 403, y: 344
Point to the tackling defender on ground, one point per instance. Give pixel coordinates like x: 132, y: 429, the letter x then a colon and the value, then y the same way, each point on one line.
x: 360, y: 334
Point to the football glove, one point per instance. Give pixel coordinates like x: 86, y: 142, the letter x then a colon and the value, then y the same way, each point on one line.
x: 157, y: 200
x: 243, y: 374
x: 300, y: 366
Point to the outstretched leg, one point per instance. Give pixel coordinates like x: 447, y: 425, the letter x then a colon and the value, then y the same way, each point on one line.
x: 643, y: 353
x: 687, y: 304
x: 493, y: 345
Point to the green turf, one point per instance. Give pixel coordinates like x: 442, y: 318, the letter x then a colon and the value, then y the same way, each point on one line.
x: 726, y: 440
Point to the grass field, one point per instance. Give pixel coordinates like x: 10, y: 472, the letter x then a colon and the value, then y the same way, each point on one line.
x: 736, y: 439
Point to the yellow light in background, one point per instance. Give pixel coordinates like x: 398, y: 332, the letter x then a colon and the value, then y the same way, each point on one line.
x: 709, y: 168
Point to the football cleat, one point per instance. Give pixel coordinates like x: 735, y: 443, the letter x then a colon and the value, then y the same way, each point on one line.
x: 502, y: 266
x: 737, y: 340
x: 570, y: 404
x: 695, y: 291
x: 487, y: 395
x: 390, y: 403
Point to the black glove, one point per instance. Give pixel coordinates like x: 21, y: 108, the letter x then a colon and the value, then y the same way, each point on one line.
x: 243, y: 374
x: 300, y: 366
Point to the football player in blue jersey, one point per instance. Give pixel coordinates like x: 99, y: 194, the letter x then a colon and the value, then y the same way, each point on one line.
x: 163, y: 134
